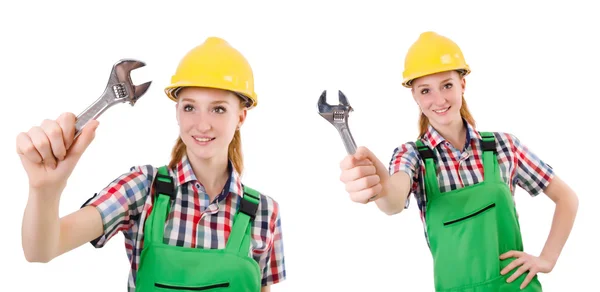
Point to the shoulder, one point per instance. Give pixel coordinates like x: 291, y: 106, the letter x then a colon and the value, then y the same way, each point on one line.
x: 268, y: 212
x: 505, y: 141
x: 142, y: 173
x: 266, y: 203
x: 406, y: 150
x: 138, y: 178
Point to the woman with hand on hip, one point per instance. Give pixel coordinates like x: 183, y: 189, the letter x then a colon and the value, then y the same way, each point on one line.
x: 188, y: 225
x: 464, y: 181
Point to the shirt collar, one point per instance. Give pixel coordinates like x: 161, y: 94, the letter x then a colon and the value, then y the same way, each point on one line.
x: 184, y: 173
x: 433, y: 138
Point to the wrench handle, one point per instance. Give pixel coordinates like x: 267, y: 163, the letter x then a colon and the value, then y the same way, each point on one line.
x: 91, y: 113
x: 348, y: 140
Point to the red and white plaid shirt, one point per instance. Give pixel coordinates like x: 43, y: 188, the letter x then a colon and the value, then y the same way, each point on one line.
x: 460, y: 168
x: 193, y: 221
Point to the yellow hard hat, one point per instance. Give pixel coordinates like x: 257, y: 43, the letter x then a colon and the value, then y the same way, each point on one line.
x: 215, y: 64
x: 432, y: 53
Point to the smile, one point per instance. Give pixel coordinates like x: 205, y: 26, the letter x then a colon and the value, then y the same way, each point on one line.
x: 440, y: 111
x: 203, y: 139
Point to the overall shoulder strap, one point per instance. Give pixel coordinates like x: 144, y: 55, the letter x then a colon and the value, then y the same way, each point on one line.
x: 164, y: 194
x: 240, y: 237
x: 490, y: 162
x: 431, y: 182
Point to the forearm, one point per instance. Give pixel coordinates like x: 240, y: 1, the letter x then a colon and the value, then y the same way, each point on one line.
x: 41, y: 226
x: 562, y: 223
x: 394, y: 194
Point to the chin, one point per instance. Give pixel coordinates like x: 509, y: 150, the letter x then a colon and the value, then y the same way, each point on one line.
x: 445, y: 120
x: 202, y: 154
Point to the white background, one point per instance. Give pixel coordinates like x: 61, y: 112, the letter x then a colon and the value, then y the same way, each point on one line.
x: 534, y: 75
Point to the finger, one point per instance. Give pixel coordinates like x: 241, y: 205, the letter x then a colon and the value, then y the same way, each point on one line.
x: 512, y: 265
x: 42, y: 145
x: 362, y: 183
x: 350, y: 162
x: 511, y: 254
x: 26, y: 149
x: 88, y: 133
x: 67, y: 121
x: 528, y: 278
x: 363, y: 153
x: 519, y: 272
x: 357, y: 173
x: 363, y: 196
x: 55, y: 136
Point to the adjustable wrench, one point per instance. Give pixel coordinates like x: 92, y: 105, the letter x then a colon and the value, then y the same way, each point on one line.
x: 119, y: 89
x: 338, y: 115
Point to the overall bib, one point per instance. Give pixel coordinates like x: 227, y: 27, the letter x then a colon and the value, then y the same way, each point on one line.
x: 469, y: 228
x: 173, y: 268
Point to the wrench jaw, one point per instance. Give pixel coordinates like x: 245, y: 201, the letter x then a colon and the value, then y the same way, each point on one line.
x: 338, y: 115
x: 120, y: 84
x: 335, y: 114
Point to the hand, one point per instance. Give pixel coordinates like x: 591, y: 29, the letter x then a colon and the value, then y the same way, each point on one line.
x: 526, y: 262
x: 48, y: 152
x: 362, y: 174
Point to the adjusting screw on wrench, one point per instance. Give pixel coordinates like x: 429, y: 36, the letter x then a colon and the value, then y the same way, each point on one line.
x: 338, y: 115
x: 119, y: 89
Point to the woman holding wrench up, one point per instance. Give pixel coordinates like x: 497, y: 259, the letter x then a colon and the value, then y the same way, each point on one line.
x: 464, y: 181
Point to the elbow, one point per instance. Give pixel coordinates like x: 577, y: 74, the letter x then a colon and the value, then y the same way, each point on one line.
x: 33, y: 258
x: 393, y: 211
x: 36, y: 256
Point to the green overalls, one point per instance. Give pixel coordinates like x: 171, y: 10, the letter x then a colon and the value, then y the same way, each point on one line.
x: 173, y: 268
x: 469, y: 228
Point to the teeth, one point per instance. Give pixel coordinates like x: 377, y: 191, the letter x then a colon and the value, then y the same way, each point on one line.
x: 203, y: 139
x: 442, y: 111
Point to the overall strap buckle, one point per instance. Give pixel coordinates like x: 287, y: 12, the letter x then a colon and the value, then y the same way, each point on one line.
x: 249, y: 203
x: 164, y: 183
x: 488, y: 142
x: 424, y: 151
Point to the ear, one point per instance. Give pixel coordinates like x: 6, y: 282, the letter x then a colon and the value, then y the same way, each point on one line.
x: 463, y: 84
x: 242, y: 117
x: 177, y: 112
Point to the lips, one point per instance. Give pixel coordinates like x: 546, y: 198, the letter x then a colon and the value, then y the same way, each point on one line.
x: 203, y: 139
x: 441, y: 111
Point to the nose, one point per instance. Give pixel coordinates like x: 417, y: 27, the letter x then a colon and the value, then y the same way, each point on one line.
x: 202, y: 123
x: 439, y: 98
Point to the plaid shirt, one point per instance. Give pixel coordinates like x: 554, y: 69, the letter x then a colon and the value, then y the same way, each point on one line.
x: 457, y: 169
x: 193, y: 221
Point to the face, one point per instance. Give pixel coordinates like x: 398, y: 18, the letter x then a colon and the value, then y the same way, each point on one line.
x: 440, y: 96
x: 208, y: 119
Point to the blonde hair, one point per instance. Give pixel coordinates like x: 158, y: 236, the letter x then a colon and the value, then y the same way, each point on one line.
x: 234, y: 152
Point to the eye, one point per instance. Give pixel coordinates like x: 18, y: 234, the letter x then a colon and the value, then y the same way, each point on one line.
x: 187, y: 108
x: 219, y: 109
x: 424, y: 91
x: 448, y: 85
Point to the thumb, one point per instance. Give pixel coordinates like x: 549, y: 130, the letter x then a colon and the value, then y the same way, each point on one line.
x: 88, y: 133
x: 365, y: 153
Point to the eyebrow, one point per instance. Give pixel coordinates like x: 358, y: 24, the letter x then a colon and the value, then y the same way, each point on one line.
x: 221, y: 101
x: 444, y: 81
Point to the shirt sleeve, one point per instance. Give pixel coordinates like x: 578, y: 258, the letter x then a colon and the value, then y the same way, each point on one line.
x: 121, y: 202
x: 405, y: 159
x: 271, y: 261
x: 532, y: 174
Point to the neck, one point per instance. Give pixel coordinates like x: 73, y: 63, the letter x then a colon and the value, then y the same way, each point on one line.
x: 211, y: 173
x: 455, y: 133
